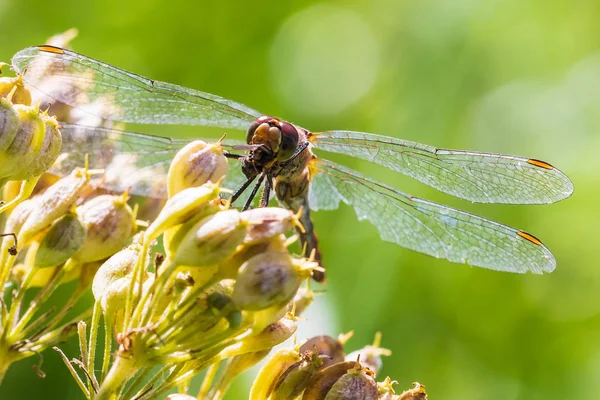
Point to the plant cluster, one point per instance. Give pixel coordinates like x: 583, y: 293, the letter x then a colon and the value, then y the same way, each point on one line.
x: 203, y: 288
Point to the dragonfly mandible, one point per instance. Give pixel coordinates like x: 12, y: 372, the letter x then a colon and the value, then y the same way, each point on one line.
x: 281, y: 154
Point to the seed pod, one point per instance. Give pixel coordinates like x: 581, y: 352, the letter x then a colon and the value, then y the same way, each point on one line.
x: 322, y: 382
x: 19, y: 215
x: 269, y: 374
x: 9, y: 123
x: 230, y: 266
x: 268, y: 338
x: 268, y: 222
x: 211, y: 240
x: 268, y: 279
x: 331, y: 349
x: 20, y: 95
x: 52, y: 204
x: 183, y: 206
x: 15, y: 160
x: 370, y: 355
x: 297, y: 377
x: 109, y: 223
x: 196, y: 164
x: 61, y: 242
x: 357, y: 384
x: 116, y: 267
x: 50, y: 150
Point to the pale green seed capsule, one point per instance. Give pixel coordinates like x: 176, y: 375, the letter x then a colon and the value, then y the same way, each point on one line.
x: 183, y: 206
x: 19, y: 215
x: 109, y: 223
x: 211, y: 240
x: 26, y: 146
x: 116, y: 267
x: 266, y: 280
x: 50, y: 150
x: 64, y: 238
x: 9, y: 124
x: 268, y: 222
x: 52, y: 204
x: 196, y: 164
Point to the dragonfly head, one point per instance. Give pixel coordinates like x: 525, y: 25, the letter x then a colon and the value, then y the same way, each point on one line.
x: 278, y: 136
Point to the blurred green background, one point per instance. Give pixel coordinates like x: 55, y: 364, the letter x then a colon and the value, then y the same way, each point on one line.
x: 512, y: 76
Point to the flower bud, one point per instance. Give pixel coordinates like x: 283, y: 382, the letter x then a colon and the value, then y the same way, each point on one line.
x: 268, y: 279
x: 61, y: 242
x: 109, y: 223
x: 268, y: 222
x: 20, y: 94
x: 297, y: 377
x: 331, y: 349
x: 183, y: 206
x: 357, y: 384
x: 52, y: 204
x: 196, y: 164
x: 211, y: 239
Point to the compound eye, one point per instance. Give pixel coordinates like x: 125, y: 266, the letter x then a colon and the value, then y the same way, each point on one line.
x: 252, y: 129
x: 289, y: 141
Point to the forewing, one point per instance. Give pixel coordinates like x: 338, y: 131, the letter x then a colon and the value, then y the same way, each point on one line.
x: 112, y: 93
x: 478, y: 177
x: 427, y: 227
x: 131, y: 161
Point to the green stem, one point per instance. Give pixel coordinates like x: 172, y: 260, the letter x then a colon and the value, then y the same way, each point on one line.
x: 121, y: 371
x: 93, y: 341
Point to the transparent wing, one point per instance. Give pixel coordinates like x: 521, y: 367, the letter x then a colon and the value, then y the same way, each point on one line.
x: 427, y: 227
x: 112, y: 93
x: 478, y: 177
x: 132, y: 161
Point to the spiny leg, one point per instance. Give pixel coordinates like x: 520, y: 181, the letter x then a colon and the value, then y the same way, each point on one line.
x: 264, y: 200
x: 242, y: 188
x: 254, y: 190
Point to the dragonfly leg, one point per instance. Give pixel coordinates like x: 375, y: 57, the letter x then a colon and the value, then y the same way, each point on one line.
x: 264, y: 200
x: 242, y: 188
x: 254, y: 190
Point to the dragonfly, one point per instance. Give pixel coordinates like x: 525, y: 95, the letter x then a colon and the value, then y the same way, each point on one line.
x: 282, y: 157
